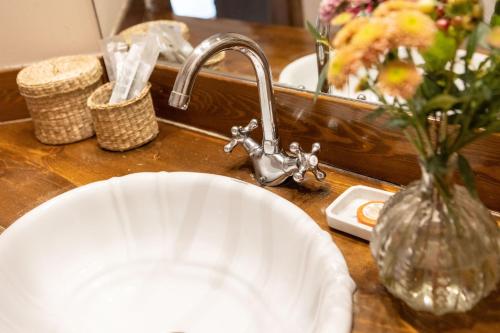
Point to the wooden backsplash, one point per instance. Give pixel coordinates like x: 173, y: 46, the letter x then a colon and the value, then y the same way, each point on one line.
x: 348, y: 140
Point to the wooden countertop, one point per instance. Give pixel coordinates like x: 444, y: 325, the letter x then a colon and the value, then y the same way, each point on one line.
x: 31, y: 173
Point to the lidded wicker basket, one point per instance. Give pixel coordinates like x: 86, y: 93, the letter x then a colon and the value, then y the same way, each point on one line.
x: 56, y: 92
x: 125, y: 125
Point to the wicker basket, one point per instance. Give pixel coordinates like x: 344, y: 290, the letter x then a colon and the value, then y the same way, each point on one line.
x: 143, y: 28
x: 124, y: 125
x: 56, y: 92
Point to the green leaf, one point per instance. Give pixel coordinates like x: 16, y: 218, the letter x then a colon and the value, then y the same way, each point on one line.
x: 437, y: 165
x: 472, y: 44
x: 441, y: 51
x: 494, y: 127
x: 443, y: 102
x: 459, y: 8
x: 477, y: 38
x: 467, y: 175
x: 315, y: 33
x: 321, y: 81
x: 430, y: 88
x: 375, y: 113
x: 495, y: 18
x: 399, y: 123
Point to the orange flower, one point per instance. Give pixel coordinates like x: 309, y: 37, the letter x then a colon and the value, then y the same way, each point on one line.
x: 400, y: 79
x: 343, y: 37
x: 426, y: 6
x: 345, y: 62
x: 493, y: 38
x: 341, y: 19
x: 411, y: 28
x: 372, y: 39
x: 387, y: 7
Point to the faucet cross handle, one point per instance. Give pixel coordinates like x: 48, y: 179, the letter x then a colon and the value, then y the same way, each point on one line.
x: 240, y: 134
x: 306, y: 162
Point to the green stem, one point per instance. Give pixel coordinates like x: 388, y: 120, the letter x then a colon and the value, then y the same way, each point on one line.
x: 415, y: 142
x: 424, y: 138
x: 443, y: 130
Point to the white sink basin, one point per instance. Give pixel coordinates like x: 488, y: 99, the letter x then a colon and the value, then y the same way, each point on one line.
x: 171, y: 252
x: 303, y: 74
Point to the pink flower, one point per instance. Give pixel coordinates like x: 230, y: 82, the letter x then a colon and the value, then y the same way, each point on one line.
x: 357, y: 3
x: 328, y: 9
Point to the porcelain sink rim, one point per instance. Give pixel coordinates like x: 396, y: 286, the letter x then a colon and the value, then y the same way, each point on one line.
x: 87, y: 187
x: 330, y: 253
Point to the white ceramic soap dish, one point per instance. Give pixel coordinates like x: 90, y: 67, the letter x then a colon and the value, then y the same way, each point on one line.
x: 341, y: 214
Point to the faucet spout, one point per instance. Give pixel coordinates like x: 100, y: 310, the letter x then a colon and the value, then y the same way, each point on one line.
x: 272, y: 166
x: 179, y: 98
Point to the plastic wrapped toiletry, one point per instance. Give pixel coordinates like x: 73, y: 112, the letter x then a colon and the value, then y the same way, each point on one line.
x: 114, y: 51
x: 107, y: 53
x: 182, y: 47
x: 119, y: 60
x: 173, y: 46
x: 147, y: 63
x: 165, y: 47
x: 128, y: 69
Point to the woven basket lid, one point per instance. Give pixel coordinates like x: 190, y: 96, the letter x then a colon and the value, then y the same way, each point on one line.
x: 59, y: 75
x: 143, y: 28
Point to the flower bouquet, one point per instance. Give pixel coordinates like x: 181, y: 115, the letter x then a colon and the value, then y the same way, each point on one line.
x: 435, y: 243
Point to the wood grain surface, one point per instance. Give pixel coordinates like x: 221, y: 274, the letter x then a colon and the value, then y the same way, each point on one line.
x: 12, y: 105
x: 31, y: 173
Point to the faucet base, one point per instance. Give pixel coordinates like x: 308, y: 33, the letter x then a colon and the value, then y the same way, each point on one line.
x: 273, y: 169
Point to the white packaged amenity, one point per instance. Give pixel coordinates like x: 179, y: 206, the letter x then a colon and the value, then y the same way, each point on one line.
x: 127, y: 70
x: 147, y: 63
x: 114, y: 50
x: 173, y: 46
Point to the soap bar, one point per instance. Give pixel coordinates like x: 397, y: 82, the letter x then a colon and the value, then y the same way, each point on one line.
x: 369, y: 212
x: 342, y: 213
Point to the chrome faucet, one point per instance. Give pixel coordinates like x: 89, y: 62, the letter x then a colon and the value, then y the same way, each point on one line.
x: 271, y: 165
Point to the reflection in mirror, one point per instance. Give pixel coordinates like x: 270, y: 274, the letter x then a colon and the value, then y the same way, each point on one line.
x: 277, y: 25
x: 202, y: 8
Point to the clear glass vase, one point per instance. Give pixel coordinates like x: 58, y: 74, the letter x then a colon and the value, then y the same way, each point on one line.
x: 436, y: 246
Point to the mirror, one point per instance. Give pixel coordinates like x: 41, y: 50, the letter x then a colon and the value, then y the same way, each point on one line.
x: 276, y: 25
